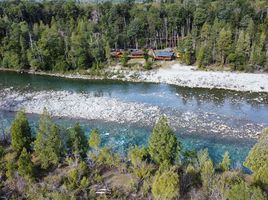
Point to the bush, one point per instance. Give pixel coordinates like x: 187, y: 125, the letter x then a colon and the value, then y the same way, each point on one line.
x: 148, y: 65
x: 77, y: 178
x: 136, y: 155
x: 124, y: 59
x: 242, y: 191
x: 166, y: 185
x: 25, y: 165
x: 106, y: 157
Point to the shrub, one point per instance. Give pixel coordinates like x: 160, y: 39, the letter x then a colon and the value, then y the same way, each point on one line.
x: 242, y: 191
x: 25, y: 165
x: 166, y: 185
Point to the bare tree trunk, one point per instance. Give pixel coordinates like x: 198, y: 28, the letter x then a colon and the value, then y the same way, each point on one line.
x: 166, y: 31
x: 31, y: 41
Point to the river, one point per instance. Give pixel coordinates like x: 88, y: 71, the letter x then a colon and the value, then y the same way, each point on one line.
x: 220, y: 120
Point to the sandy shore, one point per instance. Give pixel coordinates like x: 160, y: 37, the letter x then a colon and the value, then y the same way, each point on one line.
x: 78, y: 105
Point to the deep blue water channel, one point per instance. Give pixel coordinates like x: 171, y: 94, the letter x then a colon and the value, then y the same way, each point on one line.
x: 238, y: 107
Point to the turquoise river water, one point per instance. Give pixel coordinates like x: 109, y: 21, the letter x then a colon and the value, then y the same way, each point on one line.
x: 235, y: 109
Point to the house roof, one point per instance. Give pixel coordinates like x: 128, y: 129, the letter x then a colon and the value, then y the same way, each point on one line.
x: 165, y: 54
x: 137, y: 52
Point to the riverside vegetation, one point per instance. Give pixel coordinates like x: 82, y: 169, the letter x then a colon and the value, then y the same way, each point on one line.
x: 68, y: 35
x: 58, y: 163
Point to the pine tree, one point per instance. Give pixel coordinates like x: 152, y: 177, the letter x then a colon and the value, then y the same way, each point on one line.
x: 163, y: 144
x: 224, y: 44
x: 48, y: 144
x: 200, y: 57
x: 94, y: 139
x: 25, y: 165
x: 77, y: 141
x: 20, y: 132
x: 258, y: 54
x: 207, y: 172
x: 257, y: 159
x: 242, y: 50
x: 226, y: 162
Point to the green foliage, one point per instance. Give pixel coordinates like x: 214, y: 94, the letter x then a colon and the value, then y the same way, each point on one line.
x: 105, y: 157
x: 25, y: 165
x: 200, y: 16
x: 143, y: 170
x: 77, y: 178
x: 242, y: 191
x: 10, y: 164
x: 94, y: 139
x: 20, y: 132
x: 73, y: 179
x: 48, y: 145
x: 224, y: 44
x: 137, y: 155
x: 186, y: 49
x: 10, y: 169
x: 166, y: 185
x: 207, y: 172
x: 2, y: 152
x: 148, y: 65
x: 257, y: 159
x: 223, y: 182
x: 226, y: 162
x: 200, y: 57
x: 242, y: 51
x: 59, y: 36
x: 124, y: 59
x: 163, y: 144
x: 146, y: 55
x: 77, y: 141
x: 202, y: 157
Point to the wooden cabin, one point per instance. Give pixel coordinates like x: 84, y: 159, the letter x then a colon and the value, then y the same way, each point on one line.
x: 132, y: 53
x: 164, y: 55
x: 116, y: 53
x: 136, y: 54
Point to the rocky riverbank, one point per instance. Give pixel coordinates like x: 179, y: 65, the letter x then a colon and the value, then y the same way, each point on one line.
x: 78, y: 105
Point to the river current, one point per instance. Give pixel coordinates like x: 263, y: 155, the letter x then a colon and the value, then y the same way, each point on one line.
x: 199, y: 116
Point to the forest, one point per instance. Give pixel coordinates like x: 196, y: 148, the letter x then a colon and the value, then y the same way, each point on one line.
x: 52, y: 162
x: 78, y: 35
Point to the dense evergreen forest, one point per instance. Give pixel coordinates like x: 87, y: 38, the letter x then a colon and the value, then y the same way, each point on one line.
x: 58, y: 163
x: 73, y: 35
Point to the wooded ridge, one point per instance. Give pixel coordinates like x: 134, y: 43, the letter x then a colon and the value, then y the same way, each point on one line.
x: 70, y: 35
